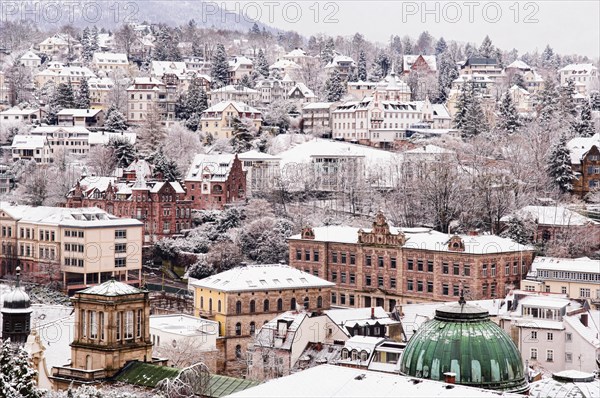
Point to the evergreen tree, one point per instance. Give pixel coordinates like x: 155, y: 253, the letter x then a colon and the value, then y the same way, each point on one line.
x: 17, y: 377
x: 243, y: 134
x: 424, y: 43
x: 64, y: 97
x: 584, y: 125
x: 559, y: 165
x: 152, y: 131
x: 517, y: 230
x: 547, y: 103
x: 517, y: 80
x: 508, y: 118
x: 334, y: 87
x: 167, y: 168
x: 407, y: 45
x: 381, y: 66
x: 261, y: 64
x: 567, y: 105
x: 462, y: 103
x: 440, y: 46
x: 220, y: 67
x: 362, y: 67
x: 82, y: 100
x: 125, y: 152
x: 115, y: 120
x: 86, y: 50
x: 595, y: 100
x: 246, y: 81
x: 548, y: 58
x: 165, y: 47
x: 195, y: 102
x: 328, y: 51
x: 487, y: 49
x: 469, y: 117
x: 447, y: 73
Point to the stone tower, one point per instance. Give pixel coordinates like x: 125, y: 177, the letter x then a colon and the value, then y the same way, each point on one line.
x: 16, y: 314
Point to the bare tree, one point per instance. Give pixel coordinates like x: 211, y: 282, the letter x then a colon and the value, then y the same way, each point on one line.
x: 181, y: 145
x: 102, y: 160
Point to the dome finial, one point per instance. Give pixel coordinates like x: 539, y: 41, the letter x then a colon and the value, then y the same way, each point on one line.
x: 18, y: 270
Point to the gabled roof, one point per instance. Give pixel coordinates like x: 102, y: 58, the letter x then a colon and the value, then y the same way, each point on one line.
x: 217, y: 166
x: 579, y: 68
x: 261, y: 277
x: 239, y: 106
x: 285, y: 64
x: 29, y: 142
x: 518, y: 64
x: 30, y: 55
x: 111, y: 58
x: 579, y: 147
x: 480, y: 61
x: 410, y: 59
x: 79, y: 112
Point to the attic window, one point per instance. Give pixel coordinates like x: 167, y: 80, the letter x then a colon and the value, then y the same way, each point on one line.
x: 263, y: 282
x: 303, y: 280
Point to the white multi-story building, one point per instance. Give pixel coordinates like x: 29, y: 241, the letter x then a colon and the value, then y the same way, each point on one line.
x: 316, y: 118
x: 262, y: 171
x: 109, y: 63
x: 58, y: 73
x: 235, y: 93
x: 585, y: 75
x: 552, y: 331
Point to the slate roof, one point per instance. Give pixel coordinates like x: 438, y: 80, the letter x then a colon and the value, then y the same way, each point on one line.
x: 111, y: 288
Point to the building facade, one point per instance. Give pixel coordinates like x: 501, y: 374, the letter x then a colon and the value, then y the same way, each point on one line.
x: 84, y: 246
x: 244, y: 298
x: 219, y: 119
x: 385, y: 266
x: 585, y: 161
x: 213, y: 181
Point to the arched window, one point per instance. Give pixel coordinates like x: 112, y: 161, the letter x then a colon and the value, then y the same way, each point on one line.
x: 354, y: 355
x: 252, y: 328
x: 293, y: 304
x: 238, y: 329
x: 219, y: 306
x: 238, y: 307
x: 252, y: 306
x: 344, y: 353
x: 202, y: 303
x: 319, y: 302
x: 364, y: 356
x: 306, y: 303
x: 210, y: 305
x: 266, y: 305
x: 279, y: 305
x: 238, y: 351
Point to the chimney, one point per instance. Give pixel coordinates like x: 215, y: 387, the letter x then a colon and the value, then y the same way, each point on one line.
x: 372, y: 312
x: 450, y: 377
x: 584, y: 319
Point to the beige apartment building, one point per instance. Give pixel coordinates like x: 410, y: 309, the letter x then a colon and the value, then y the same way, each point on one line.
x: 218, y: 120
x: 78, y: 247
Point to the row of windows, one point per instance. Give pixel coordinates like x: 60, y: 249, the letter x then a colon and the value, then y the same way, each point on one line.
x: 550, y: 355
x: 351, y: 299
x: 72, y: 247
x: 73, y: 233
x: 74, y: 262
x: 569, y: 275
x: 266, y: 305
x: 92, y: 325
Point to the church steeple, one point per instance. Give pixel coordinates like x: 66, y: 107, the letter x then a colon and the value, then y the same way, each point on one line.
x: 16, y: 313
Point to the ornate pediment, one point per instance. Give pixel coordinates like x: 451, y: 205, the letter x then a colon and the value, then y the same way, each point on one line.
x: 380, y: 234
x: 308, y: 233
x: 456, y: 244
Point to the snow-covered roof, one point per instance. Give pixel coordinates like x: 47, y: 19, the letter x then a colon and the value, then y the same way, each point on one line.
x: 239, y: 61
x: 261, y: 277
x: 145, y: 81
x: 553, y: 215
x: 63, y: 216
x: 296, y: 53
x: 217, y: 166
x: 565, y: 264
x: 429, y: 149
x: 18, y: 112
x: 579, y: 68
x: 591, y: 332
x: 29, y: 142
x: 306, y: 92
x: 111, y: 288
x: 520, y: 89
x: 333, y: 381
x: 79, y: 112
x: 579, y: 146
x: 110, y: 58
x: 410, y: 59
x: 239, y: 106
x: 343, y: 316
x: 30, y: 56
x: 518, y: 64
x: 159, y: 68
x: 100, y: 83
x: 339, y: 59
x: 265, y: 336
x: 255, y: 155
x: 562, y: 387
x: 234, y: 89
x: 183, y: 325
x: 103, y: 137
x: 285, y: 64
x: 422, y: 238
x: 318, y: 105
x: 77, y: 131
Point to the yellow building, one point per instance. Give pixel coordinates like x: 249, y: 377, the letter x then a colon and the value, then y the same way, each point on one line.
x: 218, y: 120
x: 244, y: 298
x: 83, y: 247
x: 578, y: 278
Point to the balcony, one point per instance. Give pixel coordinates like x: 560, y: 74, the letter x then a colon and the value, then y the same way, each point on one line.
x: 79, y: 374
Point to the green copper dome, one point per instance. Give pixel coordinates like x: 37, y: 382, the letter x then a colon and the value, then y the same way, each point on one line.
x: 463, y: 340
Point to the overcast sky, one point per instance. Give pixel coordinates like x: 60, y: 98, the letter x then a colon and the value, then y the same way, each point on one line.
x: 568, y: 26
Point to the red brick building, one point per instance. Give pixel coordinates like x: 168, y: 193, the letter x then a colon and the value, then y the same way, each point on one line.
x: 214, y: 181
x: 160, y: 205
x: 384, y: 266
x: 585, y: 161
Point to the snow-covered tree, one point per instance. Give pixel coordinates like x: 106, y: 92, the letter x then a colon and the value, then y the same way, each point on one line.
x: 181, y: 145
x: 362, y: 67
x: 17, y: 376
x: 584, y: 125
x: 165, y: 47
x: 469, y: 117
x: 487, y: 48
x: 424, y: 44
x: 220, y: 67
x: 547, y: 103
x: 261, y: 65
x: 559, y: 165
x: 125, y: 152
x: 519, y: 230
x: 246, y: 81
x: 447, y: 73
x: 264, y: 240
x: 151, y: 132
x: 566, y: 104
x: 508, y: 117
x: 548, y: 58
x: 64, y: 97
x: 441, y: 46
x: 381, y: 66
x: 334, y: 87
x: 102, y: 160
x: 165, y: 167
x: 595, y: 100
x: 115, y: 120
x: 82, y: 100
x: 328, y: 51
x: 244, y: 132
